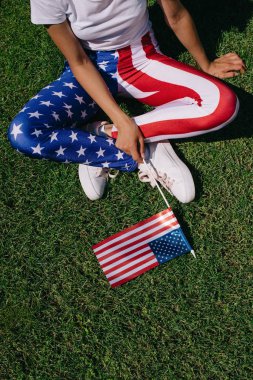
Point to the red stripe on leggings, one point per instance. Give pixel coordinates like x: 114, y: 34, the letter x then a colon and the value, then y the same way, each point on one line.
x: 168, y: 92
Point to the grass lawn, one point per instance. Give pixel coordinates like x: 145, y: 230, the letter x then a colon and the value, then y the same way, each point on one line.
x: 187, y: 319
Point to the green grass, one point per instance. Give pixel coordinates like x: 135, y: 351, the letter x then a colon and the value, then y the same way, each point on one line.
x: 188, y: 319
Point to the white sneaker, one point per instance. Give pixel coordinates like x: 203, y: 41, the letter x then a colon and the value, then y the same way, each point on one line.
x: 94, y: 179
x: 169, y: 171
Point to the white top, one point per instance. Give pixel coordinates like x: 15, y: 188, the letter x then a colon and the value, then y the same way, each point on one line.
x: 98, y: 24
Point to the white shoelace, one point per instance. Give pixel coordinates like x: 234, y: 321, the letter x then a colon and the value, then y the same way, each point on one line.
x: 107, y: 172
x: 145, y: 176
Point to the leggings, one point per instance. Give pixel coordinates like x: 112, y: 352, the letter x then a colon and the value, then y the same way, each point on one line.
x: 185, y: 101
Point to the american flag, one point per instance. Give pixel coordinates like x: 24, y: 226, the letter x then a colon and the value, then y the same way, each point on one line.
x: 141, y: 247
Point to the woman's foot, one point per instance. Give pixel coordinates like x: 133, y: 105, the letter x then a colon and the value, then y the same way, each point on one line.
x: 94, y: 179
x: 167, y: 168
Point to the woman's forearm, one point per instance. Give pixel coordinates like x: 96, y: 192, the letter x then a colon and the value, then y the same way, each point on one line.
x: 186, y: 32
x: 91, y: 80
x: 182, y: 24
x: 85, y: 72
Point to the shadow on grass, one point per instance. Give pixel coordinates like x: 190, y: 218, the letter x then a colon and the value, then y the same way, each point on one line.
x: 211, y: 17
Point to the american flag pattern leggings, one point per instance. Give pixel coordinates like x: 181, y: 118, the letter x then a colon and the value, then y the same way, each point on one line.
x: 185, y: 101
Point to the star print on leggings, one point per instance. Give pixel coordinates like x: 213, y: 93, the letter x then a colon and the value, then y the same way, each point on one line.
x: 51, y: 126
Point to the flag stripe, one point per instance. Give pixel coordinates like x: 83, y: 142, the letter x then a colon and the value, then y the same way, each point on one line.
x: 129, y: 262
x: 143, y: 230
x: 163, y: 229
x: 130, y: 266
x: 160, y: 216
x: 129, y: 256
x: 120, y: 254
x: 135, y: 272
x: 132, y: 276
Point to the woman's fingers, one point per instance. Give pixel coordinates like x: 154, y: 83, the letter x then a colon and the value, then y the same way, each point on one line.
x: 134, y: 148
x: 136, y: 154
x: 230, y: 54
x: 231, y: 59
x: 234, y: 66
x: 227, y: 67
x: 228, y: 74
x: 142, y: 147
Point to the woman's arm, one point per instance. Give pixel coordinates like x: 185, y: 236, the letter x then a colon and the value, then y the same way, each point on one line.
x: 182, y: 24
x: 129, y: 138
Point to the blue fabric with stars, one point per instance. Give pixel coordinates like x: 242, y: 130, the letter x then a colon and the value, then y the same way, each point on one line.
x: 51, y: 124
x: 169, y: 246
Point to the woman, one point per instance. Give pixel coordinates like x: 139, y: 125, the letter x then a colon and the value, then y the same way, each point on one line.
x: 110, y: 50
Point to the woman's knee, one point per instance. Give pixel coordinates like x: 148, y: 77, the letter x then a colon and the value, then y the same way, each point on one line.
x: 225, y: 108
x: 229, y: 105
x: 19, y: 133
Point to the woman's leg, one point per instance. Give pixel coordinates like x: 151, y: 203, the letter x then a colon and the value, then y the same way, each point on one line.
x: 51, y: 126
x: 187, y: 102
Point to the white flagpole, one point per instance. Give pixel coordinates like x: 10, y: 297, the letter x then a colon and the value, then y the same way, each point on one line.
x: 193, y: 253
x: 162, y: 194
x: 156, y: 183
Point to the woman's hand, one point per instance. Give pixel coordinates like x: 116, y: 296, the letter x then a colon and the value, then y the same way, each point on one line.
x: 130, y: 140
x: 226, y: 66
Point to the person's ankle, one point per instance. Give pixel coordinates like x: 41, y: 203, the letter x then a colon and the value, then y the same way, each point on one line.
x: 106, y: 129
x: 146, y: 156
x: 99, y: 128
